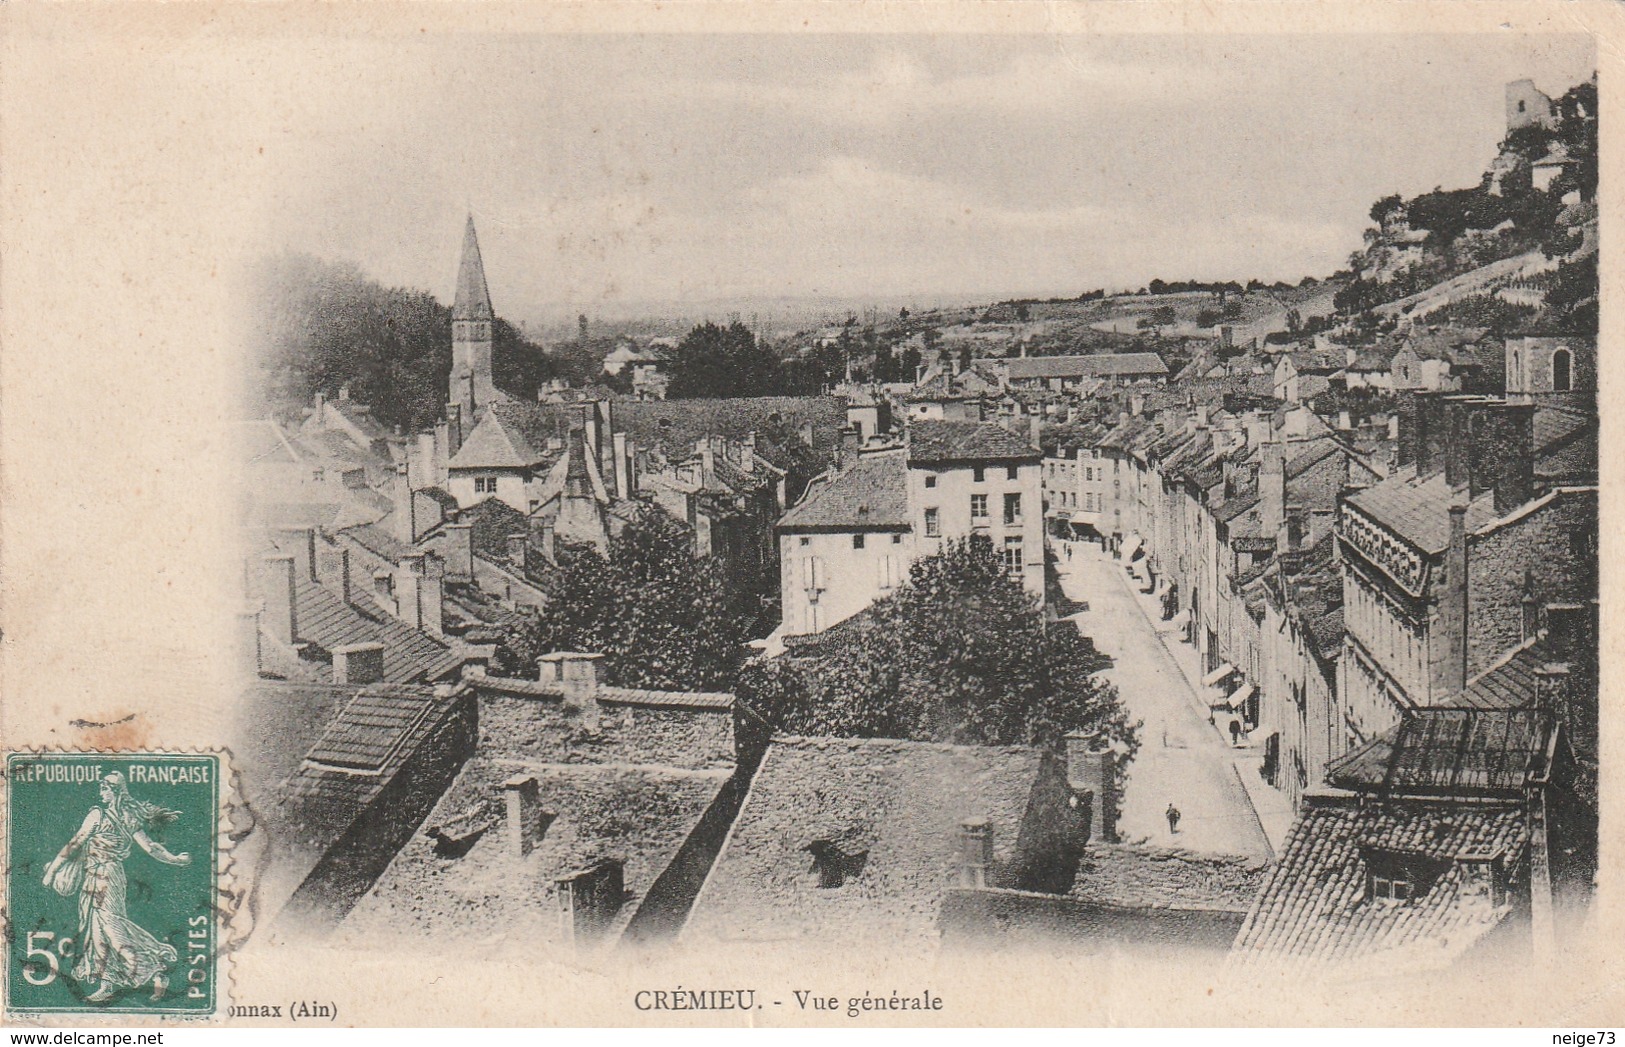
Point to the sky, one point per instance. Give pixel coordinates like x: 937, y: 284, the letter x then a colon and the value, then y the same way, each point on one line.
x: 613, y: 174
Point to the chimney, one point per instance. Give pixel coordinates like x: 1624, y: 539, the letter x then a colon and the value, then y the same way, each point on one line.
x: 708, y: 456
x: 522, y: 801
x: 849, y: 446
x: 589, y: 426
x: 279, y: 586
x: 807, y: 434
x: 1500, y: 453
x: 249, y: 655
x: 518, y: 549
x: 623, y: 467
x: 408, y: 598
x: 1272, y: 489
x: 1461, y: 418
x: 432, y: 595
x: 383, y: 585
x: 1035, y: 431
x: 1136, y: 404
x: 975, y: 853
x: 403, y: 517
x: 1551, y: 685
x: 541, y: 534
x: 1344, y: 421
x: 427, y: 462
x: 344, y: 575
x: 1427, y: 435
x: 344, y: 391
x: 747, y: 452
x: 1449, y: 644
x: 576, y: 674
x: 460, y: 552
x: 1091, y: 767
x: 589, y: 899
x: 358, y: 664
x: 454, y: 430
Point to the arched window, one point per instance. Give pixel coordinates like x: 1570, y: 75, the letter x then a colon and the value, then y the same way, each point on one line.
x: 1562, y: 371
x: 1515, y: 373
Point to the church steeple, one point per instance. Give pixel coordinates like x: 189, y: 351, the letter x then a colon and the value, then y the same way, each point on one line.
x: 473, y: 301
x: 472, y: 332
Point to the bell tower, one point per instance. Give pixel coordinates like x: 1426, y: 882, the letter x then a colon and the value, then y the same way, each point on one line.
x: 472, y: 333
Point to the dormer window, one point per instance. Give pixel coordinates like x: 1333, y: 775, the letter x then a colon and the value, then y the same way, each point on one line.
x: 1398, y: 876
x: 832, y: 865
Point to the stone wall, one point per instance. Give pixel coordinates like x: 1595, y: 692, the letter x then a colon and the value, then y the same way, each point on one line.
x: 1550, y: 545
x: 545, y: 728
x: 982, y: 918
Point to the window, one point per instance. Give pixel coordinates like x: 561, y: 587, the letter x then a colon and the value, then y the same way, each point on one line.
x: 930, y: 479
x: 535, y: 504
x: 812, y: 573
x: 978, y: 474
x: 1562, y: 371
x: 857, y: 541
x: 1088, y: 474
x: 805, y: 541
x: 1012, y: 556
x: 933, y: 523
x: 978, y: 508
x: 485, y: 485
x: 897, y: 539
x: 318, y: 475
x: 1010, y: 472
x: 1012, y: 508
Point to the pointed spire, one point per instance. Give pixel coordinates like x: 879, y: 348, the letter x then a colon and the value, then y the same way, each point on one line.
x: 473, y: 301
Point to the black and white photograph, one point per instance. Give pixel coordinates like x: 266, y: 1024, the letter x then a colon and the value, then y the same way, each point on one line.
x: 828, y: 520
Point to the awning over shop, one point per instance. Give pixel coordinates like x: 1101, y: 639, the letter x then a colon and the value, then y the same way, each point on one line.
x: 1218, y: 674
x: 1236, y: 699
x: 1131, y: 548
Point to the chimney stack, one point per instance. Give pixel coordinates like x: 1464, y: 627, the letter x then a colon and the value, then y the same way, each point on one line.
x: 279, y: 586
x: 1450, y: 648
x: 406, y: 530
x: 589, y: 899
x: 1272, y: 489
x: 454, y: 430
x: 1500, y: 453
x: 975, y: 853
x: 432, y: 595
x: 522, y: 800
x: 849, y: 446
x: 1091, y: 767
x: 541, y: 536
x: 623, y: 467
x: 518, y: 549
x: 747, y: 452
x: 460, y: 552
x: 576, y: 674
x: 357, y: 664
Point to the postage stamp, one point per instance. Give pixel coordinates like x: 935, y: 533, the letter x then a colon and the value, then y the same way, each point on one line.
x: 111, y: 883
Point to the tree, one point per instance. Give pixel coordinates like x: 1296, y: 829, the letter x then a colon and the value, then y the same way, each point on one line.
x: 1385, y: 207
x: 660, y: 617
x: 958, y: 654
x: 714, y: 361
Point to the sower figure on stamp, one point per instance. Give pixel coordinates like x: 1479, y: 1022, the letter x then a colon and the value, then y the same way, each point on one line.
x: 114, y: 952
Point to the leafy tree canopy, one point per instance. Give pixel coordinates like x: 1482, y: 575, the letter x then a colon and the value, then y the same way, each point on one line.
x: 713, y: 361
x: 660, y: 617
x: 958, y: 654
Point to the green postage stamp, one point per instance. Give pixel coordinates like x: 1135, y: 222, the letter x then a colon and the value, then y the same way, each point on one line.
x: 111, y: 883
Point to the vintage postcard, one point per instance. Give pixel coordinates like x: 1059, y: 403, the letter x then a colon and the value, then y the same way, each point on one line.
x: 781, y: 514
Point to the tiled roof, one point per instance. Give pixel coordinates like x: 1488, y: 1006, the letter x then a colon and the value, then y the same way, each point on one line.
x: 1450, y: 344
x: 379, y: 542
x: 1450, y: 751
x: 1165, y: 877
x: 869, y: 494
x: 370, y: 731
x: 384, y: 724
x: 933, y: 441
x: 1113, y: 364
x: 1565, y: 444
x: 1419, y: 512
x: 500, y: 441
x: 360, y: 416
x: 1231, y: 508
x: 898, y: 802
x: 680, y: 423
x: 1314, y: 910
x: 1510, y: 683
x: 641, y: 816
x: 493, y: 521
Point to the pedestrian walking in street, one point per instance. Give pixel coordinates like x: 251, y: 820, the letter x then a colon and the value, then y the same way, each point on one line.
x: 1235, y: 732
x: 1173, y: 819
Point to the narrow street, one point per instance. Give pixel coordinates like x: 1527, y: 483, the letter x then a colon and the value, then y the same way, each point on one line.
x: 1182, y: 759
